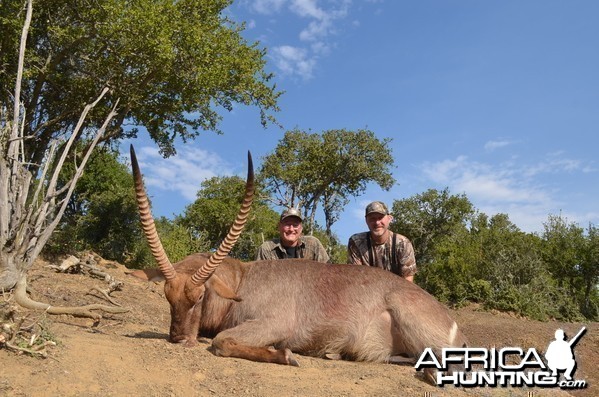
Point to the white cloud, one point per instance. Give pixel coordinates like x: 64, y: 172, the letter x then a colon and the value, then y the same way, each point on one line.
x: 555, y: 163
x: 321, y: 19
x: 266, y: 6
x: 492, y: 184
x: 294, y: 61
x: 495, y: 189
x: 322, y: 23
x: 183, y: 173
x: 314, y: 31
x: 515, y: 189
x: 320, y: 48
x: 308, y: 8
x: 492, y: 145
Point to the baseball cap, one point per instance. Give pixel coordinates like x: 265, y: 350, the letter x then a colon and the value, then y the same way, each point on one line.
x: 377, y: 206
x: 291, y: 212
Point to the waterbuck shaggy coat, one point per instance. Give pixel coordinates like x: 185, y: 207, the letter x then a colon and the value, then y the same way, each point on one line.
x: 265, y: 310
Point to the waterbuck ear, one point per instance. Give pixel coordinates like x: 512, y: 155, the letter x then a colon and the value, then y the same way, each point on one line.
x: 148, y: 275
x: 221, y: 289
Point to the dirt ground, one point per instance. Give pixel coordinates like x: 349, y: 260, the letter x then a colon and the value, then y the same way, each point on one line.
x: 128, y: 354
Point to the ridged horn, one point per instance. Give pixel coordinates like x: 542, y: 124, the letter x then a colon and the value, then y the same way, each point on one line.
x: 147, y: 222
x: 204, y: 273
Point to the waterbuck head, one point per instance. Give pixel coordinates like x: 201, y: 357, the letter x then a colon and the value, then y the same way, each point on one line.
x: 187, y: 281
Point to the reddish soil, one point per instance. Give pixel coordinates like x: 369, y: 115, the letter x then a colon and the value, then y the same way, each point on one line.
x: 128, y: 354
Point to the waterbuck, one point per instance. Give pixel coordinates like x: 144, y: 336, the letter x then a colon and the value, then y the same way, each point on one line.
x: 265, y: 310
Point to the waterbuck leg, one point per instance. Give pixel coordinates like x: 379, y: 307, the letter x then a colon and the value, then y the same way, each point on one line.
x: 228, y: 347
x: 401, y: 360
x: 253, y: 340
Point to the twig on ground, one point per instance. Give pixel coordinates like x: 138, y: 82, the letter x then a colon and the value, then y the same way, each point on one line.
x: 105, y: 293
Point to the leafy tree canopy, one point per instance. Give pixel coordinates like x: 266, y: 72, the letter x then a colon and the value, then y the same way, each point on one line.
x: 102, y: 212
x: 214, y: 211
x: 427, y: 217
x: 171, y: 64
x: 572, y: 255
x: 308, y: 169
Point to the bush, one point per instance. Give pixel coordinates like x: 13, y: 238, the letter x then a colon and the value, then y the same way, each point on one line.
x: 177, y: 241
x: 539, y: 300
x: 479, y: 291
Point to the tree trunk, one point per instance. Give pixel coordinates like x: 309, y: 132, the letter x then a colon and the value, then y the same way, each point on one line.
x: 31, y: 201
x: 10, y: 273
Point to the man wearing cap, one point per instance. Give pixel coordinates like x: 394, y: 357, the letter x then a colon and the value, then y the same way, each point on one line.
x: 291, y: 243
x: 381, y: 247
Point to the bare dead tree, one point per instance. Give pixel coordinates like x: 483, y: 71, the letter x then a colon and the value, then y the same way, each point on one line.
x: 31, y: 200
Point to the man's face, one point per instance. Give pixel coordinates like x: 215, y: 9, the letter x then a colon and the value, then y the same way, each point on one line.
x: 378, y: 223
x: 290, y: 230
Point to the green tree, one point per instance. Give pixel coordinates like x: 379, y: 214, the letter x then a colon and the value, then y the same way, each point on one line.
x: 590, y: 274
x: 172, y: 65
x: 213, y: 212
x: 571, y: 256
x: 497, y: 265
x: 563, y: 250
x: 102, y: 213
x: 428, y: 218
x: 32, y: 204
x: 102, y: 216
x: 510, y: 262
x: 78, y: 70
x: 178, y: 242
x: 307, y: 170
x: 468, y: 256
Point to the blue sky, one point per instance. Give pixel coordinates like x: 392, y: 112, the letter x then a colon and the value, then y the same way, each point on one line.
x: 495, y: 99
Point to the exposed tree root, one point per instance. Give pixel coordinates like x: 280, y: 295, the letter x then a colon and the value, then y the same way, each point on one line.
x: 32, y: 338
x: 21, y: 298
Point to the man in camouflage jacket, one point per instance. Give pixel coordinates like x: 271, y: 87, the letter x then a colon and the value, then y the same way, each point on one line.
x: 292, y: 244
x: 381, y: 247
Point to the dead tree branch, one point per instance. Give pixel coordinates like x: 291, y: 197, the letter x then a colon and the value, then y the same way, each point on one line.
x: 72, y: 264
x: 23, y: 300
x: 31, y: 201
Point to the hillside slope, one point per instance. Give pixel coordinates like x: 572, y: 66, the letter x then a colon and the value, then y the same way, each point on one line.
x: 127, y: 354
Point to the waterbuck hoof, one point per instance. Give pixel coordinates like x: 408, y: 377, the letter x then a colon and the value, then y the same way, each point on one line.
x: 290, y: 358
x: 333, y: 356
x: 401, y: 360
x: 429, y: 376
x: 190, y: 343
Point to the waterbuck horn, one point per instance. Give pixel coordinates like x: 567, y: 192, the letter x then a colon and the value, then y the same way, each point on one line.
x: 147, y: 222
x: 203, y: 273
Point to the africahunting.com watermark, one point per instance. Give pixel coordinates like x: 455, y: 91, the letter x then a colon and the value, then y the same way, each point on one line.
x: 508, y: 366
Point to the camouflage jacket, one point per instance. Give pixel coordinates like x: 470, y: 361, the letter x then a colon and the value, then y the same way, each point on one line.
x: 309, y: 248
x: 395, y: 255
